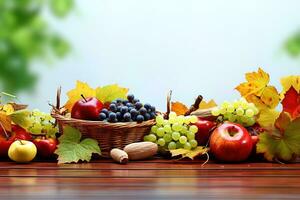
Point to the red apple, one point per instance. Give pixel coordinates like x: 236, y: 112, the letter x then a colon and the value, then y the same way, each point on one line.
x: 231, y: 142
x: 45, y: 146
x: 17, y: 133
x: 87, y: 108
x: 205, y: 128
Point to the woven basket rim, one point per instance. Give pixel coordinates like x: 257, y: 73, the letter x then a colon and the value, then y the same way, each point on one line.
x: 60, y: 117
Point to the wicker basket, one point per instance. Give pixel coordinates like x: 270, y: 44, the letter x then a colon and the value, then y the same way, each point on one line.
x: 108, y: 135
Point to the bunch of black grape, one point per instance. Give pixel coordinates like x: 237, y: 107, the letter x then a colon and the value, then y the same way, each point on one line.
x: 128, y: 110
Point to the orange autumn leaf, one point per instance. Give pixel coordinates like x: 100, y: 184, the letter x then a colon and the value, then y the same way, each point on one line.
x: 289, y: 81
x: 206, y: 105
x: 179, y: 108
x: 257, y: 90
x: 75, y: 94
x: 5, y: 121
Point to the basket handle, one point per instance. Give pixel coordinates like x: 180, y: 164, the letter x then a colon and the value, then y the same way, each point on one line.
x: 193, y: 107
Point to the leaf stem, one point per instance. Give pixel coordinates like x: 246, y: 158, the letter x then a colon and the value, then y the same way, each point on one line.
x: 5, y: 133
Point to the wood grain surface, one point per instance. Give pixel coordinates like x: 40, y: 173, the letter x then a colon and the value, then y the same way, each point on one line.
x: 151, y: 179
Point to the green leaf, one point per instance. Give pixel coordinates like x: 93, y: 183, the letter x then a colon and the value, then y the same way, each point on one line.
x: 21, y: 118
x: 71, y: 149
x: 109, y: 93
x: 283, y: 146
x: 200, y: 150
x: 61, y: 7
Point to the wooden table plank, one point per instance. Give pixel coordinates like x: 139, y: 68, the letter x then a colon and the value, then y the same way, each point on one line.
x: 151, y: 179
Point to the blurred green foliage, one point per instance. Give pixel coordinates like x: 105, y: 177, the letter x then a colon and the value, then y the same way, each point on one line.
x: 24, y: 37
x: 292, y: 45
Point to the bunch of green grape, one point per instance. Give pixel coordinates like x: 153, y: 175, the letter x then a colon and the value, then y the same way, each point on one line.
x: 175, y: 133
x: 239, y: 111
x: 41, y: 123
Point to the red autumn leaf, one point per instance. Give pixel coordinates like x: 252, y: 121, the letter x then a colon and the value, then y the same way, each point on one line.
x: 291, y: 102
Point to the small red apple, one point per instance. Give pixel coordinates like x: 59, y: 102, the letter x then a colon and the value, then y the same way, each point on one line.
x: 45, y: 146
x: 205, y: 128
x: 87, y: 108
x: 17, y: 133
x: 231, y: 142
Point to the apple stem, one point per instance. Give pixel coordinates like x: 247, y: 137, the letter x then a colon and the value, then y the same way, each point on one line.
x: 21, y: 142
x: 5, y: 133
x: 83, y: 98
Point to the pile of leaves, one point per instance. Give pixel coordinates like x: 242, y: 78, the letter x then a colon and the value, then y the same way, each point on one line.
x: 280, y: 140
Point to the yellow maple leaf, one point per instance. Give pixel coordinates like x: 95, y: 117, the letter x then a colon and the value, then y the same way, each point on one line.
x: 206, y: 105
x: 109, y: 93
x: 75, y: 94
x: 257, y: 90
x: 200, y: 150
x: 267, y: 118
x: 179, y: 108
x: 289, y: 81
x: 5, y: 121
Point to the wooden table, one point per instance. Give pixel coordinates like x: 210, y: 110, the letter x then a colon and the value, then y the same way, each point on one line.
x: 152, y: 179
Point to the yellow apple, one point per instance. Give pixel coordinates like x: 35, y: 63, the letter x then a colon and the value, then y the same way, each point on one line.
x: 22, y: 151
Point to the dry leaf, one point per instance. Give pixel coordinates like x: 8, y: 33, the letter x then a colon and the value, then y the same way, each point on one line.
x: 289, y: 81
x: 200, y: 150
x: 206, y: 105
x: 257, y: 90
x: 5, y: 121
x: 179, y: 108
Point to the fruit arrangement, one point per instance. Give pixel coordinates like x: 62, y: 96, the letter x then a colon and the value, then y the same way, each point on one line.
x: 250, y: 127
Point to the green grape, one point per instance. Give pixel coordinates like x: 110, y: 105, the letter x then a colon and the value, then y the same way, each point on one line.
x: 193, y: 119
x: 190, y: 135
x: 154, y: 129
x: 193, y: 129
x: 160, y: 132
x: 230, y: 108
x: 226, y: 116
x: 172, y: 115
x: 249, y: 112
x: 167, y: 129
x: 187, y: 119
x: 222, y: 111
x: 176, y: 127
x: 182, y: 139
x: 215, y: 111
x: 159, y: 120
x: 152, y: 137
x: 166, y: 122
x: 256, y: 111
x: 168, y: 137
x: 193, y: 143
x: 244, y: 119
x: 180, y: 119
x: 184, y: 129
x: 236, y: 104
x: 161, y: 142
x: 178, y: 145
x: 172, y: 146
x: 250, y: 122
x: 172, y: 120
x: 225, y: 104
x: 36, y: 128
x: 175, y: 136
x: 244, y: 105
x: 146, y: 138
x: 187, y: 146
x: 239, y: 111
x: 232, y: 118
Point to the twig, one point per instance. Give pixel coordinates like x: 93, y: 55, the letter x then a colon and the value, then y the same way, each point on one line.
x: 195, y: 106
